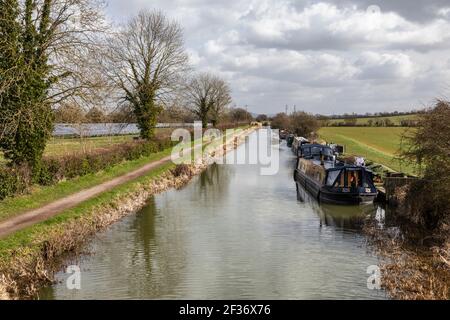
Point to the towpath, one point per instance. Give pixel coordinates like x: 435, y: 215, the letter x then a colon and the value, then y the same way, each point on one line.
x: 27, y: 219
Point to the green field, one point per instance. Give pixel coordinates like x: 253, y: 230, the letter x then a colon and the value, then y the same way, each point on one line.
x: 64, y: 146
x: 67, y: 146
x: 364, y: 121
x: 381, y: 145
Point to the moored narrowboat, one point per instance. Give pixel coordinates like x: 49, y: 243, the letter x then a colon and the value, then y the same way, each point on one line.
x: 290, y: 140
x: 336, y: 184
x: 298, y: 143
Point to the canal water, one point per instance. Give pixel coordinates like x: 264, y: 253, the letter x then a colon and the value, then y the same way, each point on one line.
x: 230, y: 234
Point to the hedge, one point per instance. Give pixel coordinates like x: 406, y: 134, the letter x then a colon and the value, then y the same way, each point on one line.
x: 18, y: 180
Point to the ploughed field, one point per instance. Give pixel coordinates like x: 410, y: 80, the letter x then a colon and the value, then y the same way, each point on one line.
x: 379, y: 144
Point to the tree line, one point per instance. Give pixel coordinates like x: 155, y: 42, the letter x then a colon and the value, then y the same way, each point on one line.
x: 371, y: 122
x: 60, y: 60
x: 299, y: 123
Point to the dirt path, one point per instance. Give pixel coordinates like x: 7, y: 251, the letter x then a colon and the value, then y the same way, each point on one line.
x: 32, y: 217
x: 48, y: 211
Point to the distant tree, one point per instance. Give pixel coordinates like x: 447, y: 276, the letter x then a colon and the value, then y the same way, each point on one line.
x: 176, y: 114
x: 239, y: 115
x: 351, y: 122
x: 281, y: 122
x: 145, y: 61
x: 222, y: 101
x: 207, y: 96
x: 304, y: 124
x: 95, y: 115
x: 388, y: 122
x: 123, y: 114
x: 262, y: 118
x: 70, y: 113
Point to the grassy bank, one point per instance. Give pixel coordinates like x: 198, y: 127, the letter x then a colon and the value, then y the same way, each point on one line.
x: 41, y: 196
x: 381, y: 145
x: 30, y: 257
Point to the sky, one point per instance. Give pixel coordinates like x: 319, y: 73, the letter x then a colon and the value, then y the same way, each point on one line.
x: 324, y: 57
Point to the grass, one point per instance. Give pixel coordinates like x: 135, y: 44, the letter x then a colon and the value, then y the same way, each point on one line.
x: 395, y: 119
x: 59, y: 146
x: 381, y: 145
x: 41, y: 196
x: 63, y: 146
x: 27, y: 236
x: 44, y: 195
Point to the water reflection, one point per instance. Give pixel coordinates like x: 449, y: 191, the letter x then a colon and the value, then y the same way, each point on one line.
x: 347, y: 218
x: 230, y: 234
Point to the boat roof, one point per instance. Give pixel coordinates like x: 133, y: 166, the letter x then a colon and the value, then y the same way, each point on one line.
x: 349, y: 166
x: 313, y: 145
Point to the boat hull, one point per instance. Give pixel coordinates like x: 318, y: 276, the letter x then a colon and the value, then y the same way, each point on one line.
x: 322, y: 194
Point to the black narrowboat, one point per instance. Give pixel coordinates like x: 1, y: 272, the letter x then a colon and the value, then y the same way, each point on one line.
x: 297, y: 144
x: 290, y: 140
x: 336, y: 183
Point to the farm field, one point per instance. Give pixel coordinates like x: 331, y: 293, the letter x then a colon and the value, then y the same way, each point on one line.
x: 395, y: 119
x: 66, y: 146
x: 381, y: 145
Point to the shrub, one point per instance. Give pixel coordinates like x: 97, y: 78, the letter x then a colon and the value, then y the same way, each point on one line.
x: 182, y: 170
x: 17, y: 180
x: 14, y: 180
x: 428, y: 149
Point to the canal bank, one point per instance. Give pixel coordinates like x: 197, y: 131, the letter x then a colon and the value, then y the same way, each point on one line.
x: 229, y: 234
x: 29, y: 257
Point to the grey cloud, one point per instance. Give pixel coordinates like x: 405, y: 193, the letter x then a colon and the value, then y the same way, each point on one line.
x: 413, y: 10
x: 336, y: 64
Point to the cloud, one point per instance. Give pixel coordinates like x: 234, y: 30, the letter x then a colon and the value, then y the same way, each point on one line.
x: 323, y: 56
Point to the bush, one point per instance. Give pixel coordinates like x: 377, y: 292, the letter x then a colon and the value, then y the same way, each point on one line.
x: 14, y: 181
x: 182, y: 170
x: 428, y: 149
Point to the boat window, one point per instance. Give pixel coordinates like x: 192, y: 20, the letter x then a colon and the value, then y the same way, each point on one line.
x: 306, y: 152
x: 327, y: 152
x: 354, y: 178
x: 332, y: 177
x: 368, y: 181
x: 340, y: 182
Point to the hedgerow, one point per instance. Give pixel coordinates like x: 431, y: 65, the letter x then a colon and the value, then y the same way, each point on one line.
x: 18, y: 180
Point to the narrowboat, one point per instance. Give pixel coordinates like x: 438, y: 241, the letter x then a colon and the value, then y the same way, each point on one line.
x: 297, y: 144
x: 317, y: 152
x: 336, y: 183
x: 290, y: 140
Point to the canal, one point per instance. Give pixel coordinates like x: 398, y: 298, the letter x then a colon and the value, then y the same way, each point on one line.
x: 230, y: 234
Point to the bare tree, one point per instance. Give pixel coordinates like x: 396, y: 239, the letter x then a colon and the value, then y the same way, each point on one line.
x: 207, y: 96
x: 222, y: 100
x: 47, y: 48
x: 145, y: 61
